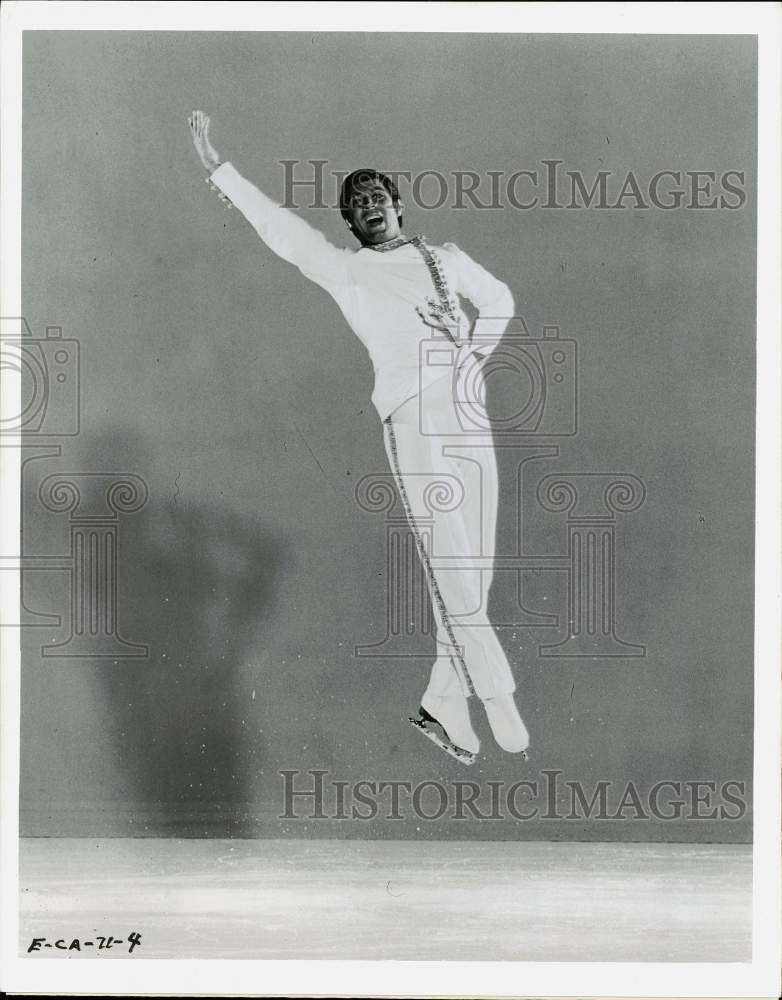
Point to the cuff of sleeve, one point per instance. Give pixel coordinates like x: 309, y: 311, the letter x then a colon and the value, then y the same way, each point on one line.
x: 220, y: 172
x: 216, y: 181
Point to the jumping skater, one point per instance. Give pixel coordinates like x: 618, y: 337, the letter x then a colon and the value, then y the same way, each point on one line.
x: 396, y: 291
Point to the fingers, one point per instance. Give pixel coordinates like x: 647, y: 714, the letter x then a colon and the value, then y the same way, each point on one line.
x: 199, y: 123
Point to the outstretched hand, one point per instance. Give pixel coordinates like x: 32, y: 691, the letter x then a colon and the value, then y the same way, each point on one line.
x: 199, y: 128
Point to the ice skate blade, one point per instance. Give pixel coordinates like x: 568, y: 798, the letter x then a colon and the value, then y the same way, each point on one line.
x: 463, y: 756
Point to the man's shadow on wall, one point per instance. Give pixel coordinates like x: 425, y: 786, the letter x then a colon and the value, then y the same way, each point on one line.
x: 196, y: 585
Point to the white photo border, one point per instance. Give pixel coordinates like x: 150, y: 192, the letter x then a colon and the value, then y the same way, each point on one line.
x: 760, y: 978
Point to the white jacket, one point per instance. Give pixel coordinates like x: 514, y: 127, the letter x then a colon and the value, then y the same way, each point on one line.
x: 379, y: 294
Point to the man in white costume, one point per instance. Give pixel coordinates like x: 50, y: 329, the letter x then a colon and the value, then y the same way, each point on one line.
x: 395, y: 291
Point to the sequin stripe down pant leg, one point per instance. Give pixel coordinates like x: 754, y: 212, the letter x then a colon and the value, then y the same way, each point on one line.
x: 470, y: 658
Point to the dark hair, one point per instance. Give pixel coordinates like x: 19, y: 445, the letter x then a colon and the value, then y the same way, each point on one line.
x: 358, y: 178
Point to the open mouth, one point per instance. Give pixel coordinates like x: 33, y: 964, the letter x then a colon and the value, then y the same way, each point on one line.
x: 374, y: 221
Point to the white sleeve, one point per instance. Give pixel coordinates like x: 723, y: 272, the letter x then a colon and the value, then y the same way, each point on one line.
x: 490, y: 296
x: 289, y: 236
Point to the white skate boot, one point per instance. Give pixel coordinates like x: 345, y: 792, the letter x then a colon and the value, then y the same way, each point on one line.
x: 446, y: 722
x: 506, y: 724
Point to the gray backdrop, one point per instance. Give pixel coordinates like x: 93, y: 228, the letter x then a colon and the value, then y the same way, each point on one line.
x: 233, y: 387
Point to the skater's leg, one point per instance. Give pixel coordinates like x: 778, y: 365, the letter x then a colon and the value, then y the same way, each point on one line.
x: 463, y: 536
x: 470, y: 657
x: 481, y: 511
x: 478, y: 465
x: 416, y: 472
x: 444, y: 713
x: 444, y: 679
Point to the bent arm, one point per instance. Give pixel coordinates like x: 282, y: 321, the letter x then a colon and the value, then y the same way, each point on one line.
x: 490, y: 296
x: 287, y: 235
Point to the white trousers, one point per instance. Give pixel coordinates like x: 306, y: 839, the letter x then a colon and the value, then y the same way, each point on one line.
x: 447, y: 480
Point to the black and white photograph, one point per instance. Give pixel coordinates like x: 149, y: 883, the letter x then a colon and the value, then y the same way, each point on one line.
x: 390, y: 486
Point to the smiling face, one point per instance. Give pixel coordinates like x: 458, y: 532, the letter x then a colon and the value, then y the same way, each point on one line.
x: 372, y: 214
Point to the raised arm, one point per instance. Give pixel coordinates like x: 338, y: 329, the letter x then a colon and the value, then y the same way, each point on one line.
x: 289, y: 236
